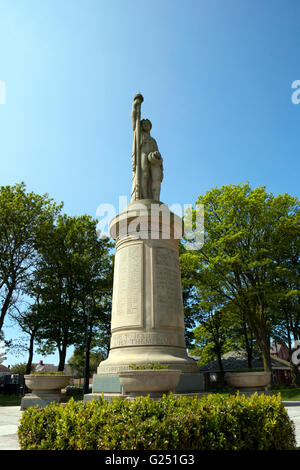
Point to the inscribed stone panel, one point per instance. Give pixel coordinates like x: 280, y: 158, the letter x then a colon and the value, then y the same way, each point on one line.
x: 128, y: 282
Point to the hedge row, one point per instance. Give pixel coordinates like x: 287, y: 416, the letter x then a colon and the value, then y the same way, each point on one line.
x: 213, y: 422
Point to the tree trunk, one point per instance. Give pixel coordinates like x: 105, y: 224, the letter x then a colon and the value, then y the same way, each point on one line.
x: 86, y: 384
x: 5, y: 307
x: 248, y: 344
x: 62, y: 356
x: 266, y: 357
x: 262, y: 338
x: 264, y: 345
x: 259, y: 329
x: 30, y: 357
x: 222, y: 374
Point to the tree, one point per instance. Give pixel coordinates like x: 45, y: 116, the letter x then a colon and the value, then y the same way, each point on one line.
x: 286, y: 304
x: 20, y: 368
x: 237, y: 263
x: 212, y: 338
x: 188, y: 267
x: 23, y: 216
x: 77, y: 362
x: 30, y: 320
x: 73, y: 271
x: 96, y: 311
x: 200, y: 300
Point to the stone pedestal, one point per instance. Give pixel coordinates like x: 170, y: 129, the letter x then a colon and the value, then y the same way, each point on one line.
x: 45, y: 389
x: 147, y: 322
x: 41, y: 398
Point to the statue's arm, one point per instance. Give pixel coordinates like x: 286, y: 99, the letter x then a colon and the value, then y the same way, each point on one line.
x: 133, y: 162
x: 133, y: 115
x: 136, y: 109
x: 155, y: 147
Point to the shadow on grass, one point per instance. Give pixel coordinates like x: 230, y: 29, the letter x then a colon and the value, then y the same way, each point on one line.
x: 10, y: 400
x: 288, y: 394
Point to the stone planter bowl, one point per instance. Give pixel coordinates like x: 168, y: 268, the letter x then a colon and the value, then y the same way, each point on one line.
x: 45, y: 389
x: 49, y: 382
x: 248, y: 380
x: 149, y: 381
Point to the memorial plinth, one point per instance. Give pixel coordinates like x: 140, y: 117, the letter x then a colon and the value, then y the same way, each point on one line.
x: 147, y: 322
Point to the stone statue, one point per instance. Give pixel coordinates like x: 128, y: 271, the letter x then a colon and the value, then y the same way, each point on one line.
x: 147, y: 318
x: 147, y: 164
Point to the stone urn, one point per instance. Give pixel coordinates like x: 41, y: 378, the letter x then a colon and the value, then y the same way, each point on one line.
x: 153, y: 382
x: 248, y: 381
x: 44, y: 389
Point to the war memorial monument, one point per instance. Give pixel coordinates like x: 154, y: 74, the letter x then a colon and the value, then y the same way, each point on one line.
x: 147, y: 323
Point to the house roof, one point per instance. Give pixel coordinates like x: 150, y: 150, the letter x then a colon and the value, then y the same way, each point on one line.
x: 44, y: 367
x: 49, y: 368
x: 238, y: 360
x: 3, y: 368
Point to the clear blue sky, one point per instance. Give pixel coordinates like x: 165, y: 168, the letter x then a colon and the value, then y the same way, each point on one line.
x: 216, y: 76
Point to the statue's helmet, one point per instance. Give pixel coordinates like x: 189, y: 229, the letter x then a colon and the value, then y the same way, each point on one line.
x: 146, y: 124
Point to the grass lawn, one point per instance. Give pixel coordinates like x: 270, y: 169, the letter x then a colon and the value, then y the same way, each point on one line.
x: 15, y: 400
x: 289, y: 394
x: 10, y: 400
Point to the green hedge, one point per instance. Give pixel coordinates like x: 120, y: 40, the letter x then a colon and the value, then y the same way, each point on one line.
x: 213, y: 422
x: 74, y: 391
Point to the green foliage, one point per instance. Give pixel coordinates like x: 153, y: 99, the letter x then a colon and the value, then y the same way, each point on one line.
x: 248, y: 268
x: 44, y: 372
x: 152, y: 365
x: 18, y: 368
x: 212, y: 337
x: 73, y: 280
x: 213, y: 422
x: 24, y: 216
x: 74, y: 391
x: 76, y: 362
x: 226, y: 389
x: 61, y: 266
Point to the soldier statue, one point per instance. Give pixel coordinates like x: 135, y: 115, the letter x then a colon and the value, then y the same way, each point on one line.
x: 147, y: 163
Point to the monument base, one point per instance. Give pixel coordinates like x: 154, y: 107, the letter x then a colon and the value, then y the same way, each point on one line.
x: 147, y: 324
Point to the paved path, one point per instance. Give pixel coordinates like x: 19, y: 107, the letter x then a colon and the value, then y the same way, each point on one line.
x: 9, y: 420
x: 10, y: 415
x: 293, y: 409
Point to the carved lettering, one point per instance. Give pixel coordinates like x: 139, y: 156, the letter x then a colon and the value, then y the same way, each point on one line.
x: 152, y: 339
x: 127, y: 294
x: 168, y: 310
